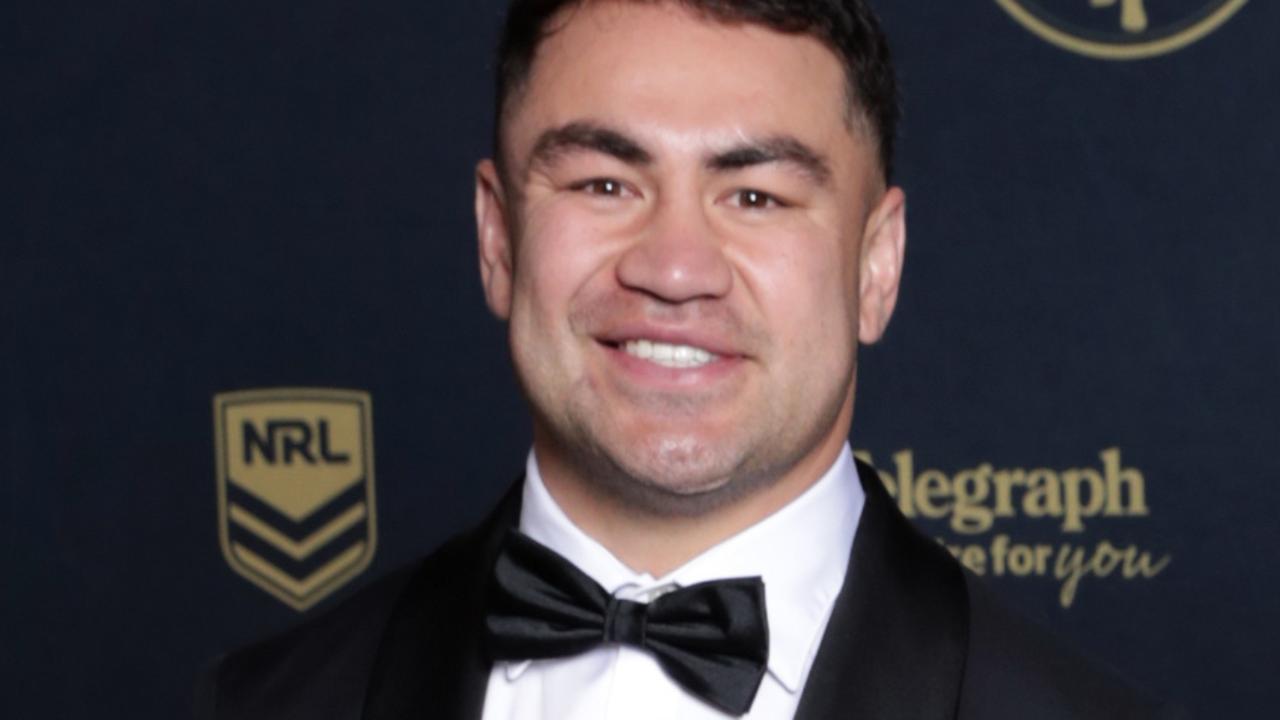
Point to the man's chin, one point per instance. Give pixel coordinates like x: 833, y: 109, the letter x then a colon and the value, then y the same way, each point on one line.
x: 676, y: 485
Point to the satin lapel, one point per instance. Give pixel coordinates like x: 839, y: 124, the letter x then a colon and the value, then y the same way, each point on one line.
x: 431, y: 664
x: 897, y: 639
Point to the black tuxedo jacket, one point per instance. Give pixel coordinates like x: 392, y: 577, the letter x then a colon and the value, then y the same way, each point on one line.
x: 912, y: 636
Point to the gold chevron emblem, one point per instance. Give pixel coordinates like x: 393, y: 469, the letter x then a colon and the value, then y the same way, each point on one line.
x: 296, y: 511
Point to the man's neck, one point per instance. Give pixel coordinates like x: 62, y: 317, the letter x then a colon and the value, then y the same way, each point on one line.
x: 659, y: 543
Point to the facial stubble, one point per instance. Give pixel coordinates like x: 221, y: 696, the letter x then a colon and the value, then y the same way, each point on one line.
x: 678, y: 474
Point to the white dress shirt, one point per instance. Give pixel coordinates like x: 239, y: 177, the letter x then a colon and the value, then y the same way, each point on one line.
x: 801, y: 552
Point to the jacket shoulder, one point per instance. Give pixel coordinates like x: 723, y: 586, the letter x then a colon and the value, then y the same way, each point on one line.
x: 320, y: 668
x: 1017, y: 669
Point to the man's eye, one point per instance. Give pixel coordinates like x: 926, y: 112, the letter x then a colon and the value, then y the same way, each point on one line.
x: 600, y: 186
x: 756, y: 200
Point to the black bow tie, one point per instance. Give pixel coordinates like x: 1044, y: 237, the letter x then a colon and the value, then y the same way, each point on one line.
x: 712, y: 638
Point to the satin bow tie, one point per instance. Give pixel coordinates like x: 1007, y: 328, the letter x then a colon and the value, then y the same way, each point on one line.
x: 712, y: 638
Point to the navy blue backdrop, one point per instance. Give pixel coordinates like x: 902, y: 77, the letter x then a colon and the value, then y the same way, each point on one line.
x: 1078, y: 392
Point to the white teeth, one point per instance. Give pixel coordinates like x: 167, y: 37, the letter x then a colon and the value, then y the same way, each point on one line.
x: 667, y: 355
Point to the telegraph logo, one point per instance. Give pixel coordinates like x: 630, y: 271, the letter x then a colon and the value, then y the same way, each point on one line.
x: 1122, y: 29
x: 296, y: 513
x: 994, y: 519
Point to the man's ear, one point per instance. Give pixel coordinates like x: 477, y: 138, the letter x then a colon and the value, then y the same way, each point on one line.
x: 494, y: 239
x: 884, y: 241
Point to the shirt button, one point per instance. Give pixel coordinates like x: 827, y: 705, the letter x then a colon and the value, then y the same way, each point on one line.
x: 652, y: 594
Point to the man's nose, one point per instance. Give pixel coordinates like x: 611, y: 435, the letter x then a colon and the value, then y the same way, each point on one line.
x: 678, y: 257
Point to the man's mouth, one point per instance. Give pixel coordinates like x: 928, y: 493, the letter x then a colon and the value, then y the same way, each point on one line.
x: 668, y: 354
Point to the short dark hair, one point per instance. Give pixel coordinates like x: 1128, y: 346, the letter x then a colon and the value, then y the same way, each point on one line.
x: 848, y: 27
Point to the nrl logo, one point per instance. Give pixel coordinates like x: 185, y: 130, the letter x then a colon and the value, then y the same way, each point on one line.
x: 295, y: 488
x: 1121, y: 29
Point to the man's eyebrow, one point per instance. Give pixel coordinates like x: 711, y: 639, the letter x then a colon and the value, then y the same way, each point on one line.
x: 779, y: 148
x: 590, y: 137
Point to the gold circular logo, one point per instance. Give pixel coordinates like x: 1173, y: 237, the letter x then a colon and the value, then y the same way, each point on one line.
x: 1121, y: 29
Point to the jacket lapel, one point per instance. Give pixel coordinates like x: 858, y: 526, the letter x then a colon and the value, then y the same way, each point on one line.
x: 894, y: 647
x: 898, y: 635
x: 431, y: 663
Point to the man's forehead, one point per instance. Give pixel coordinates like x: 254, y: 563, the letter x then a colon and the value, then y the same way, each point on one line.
x: 669, y: 61
x: 596, y: 18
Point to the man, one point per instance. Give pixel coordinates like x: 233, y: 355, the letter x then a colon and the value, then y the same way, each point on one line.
x: 689, y: 228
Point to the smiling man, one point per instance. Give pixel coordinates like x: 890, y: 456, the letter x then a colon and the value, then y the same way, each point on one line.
x: 688, y: 244
x: 689, y: 228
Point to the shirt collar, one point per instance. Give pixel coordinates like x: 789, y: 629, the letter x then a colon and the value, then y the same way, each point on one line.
x: 801, y: 552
